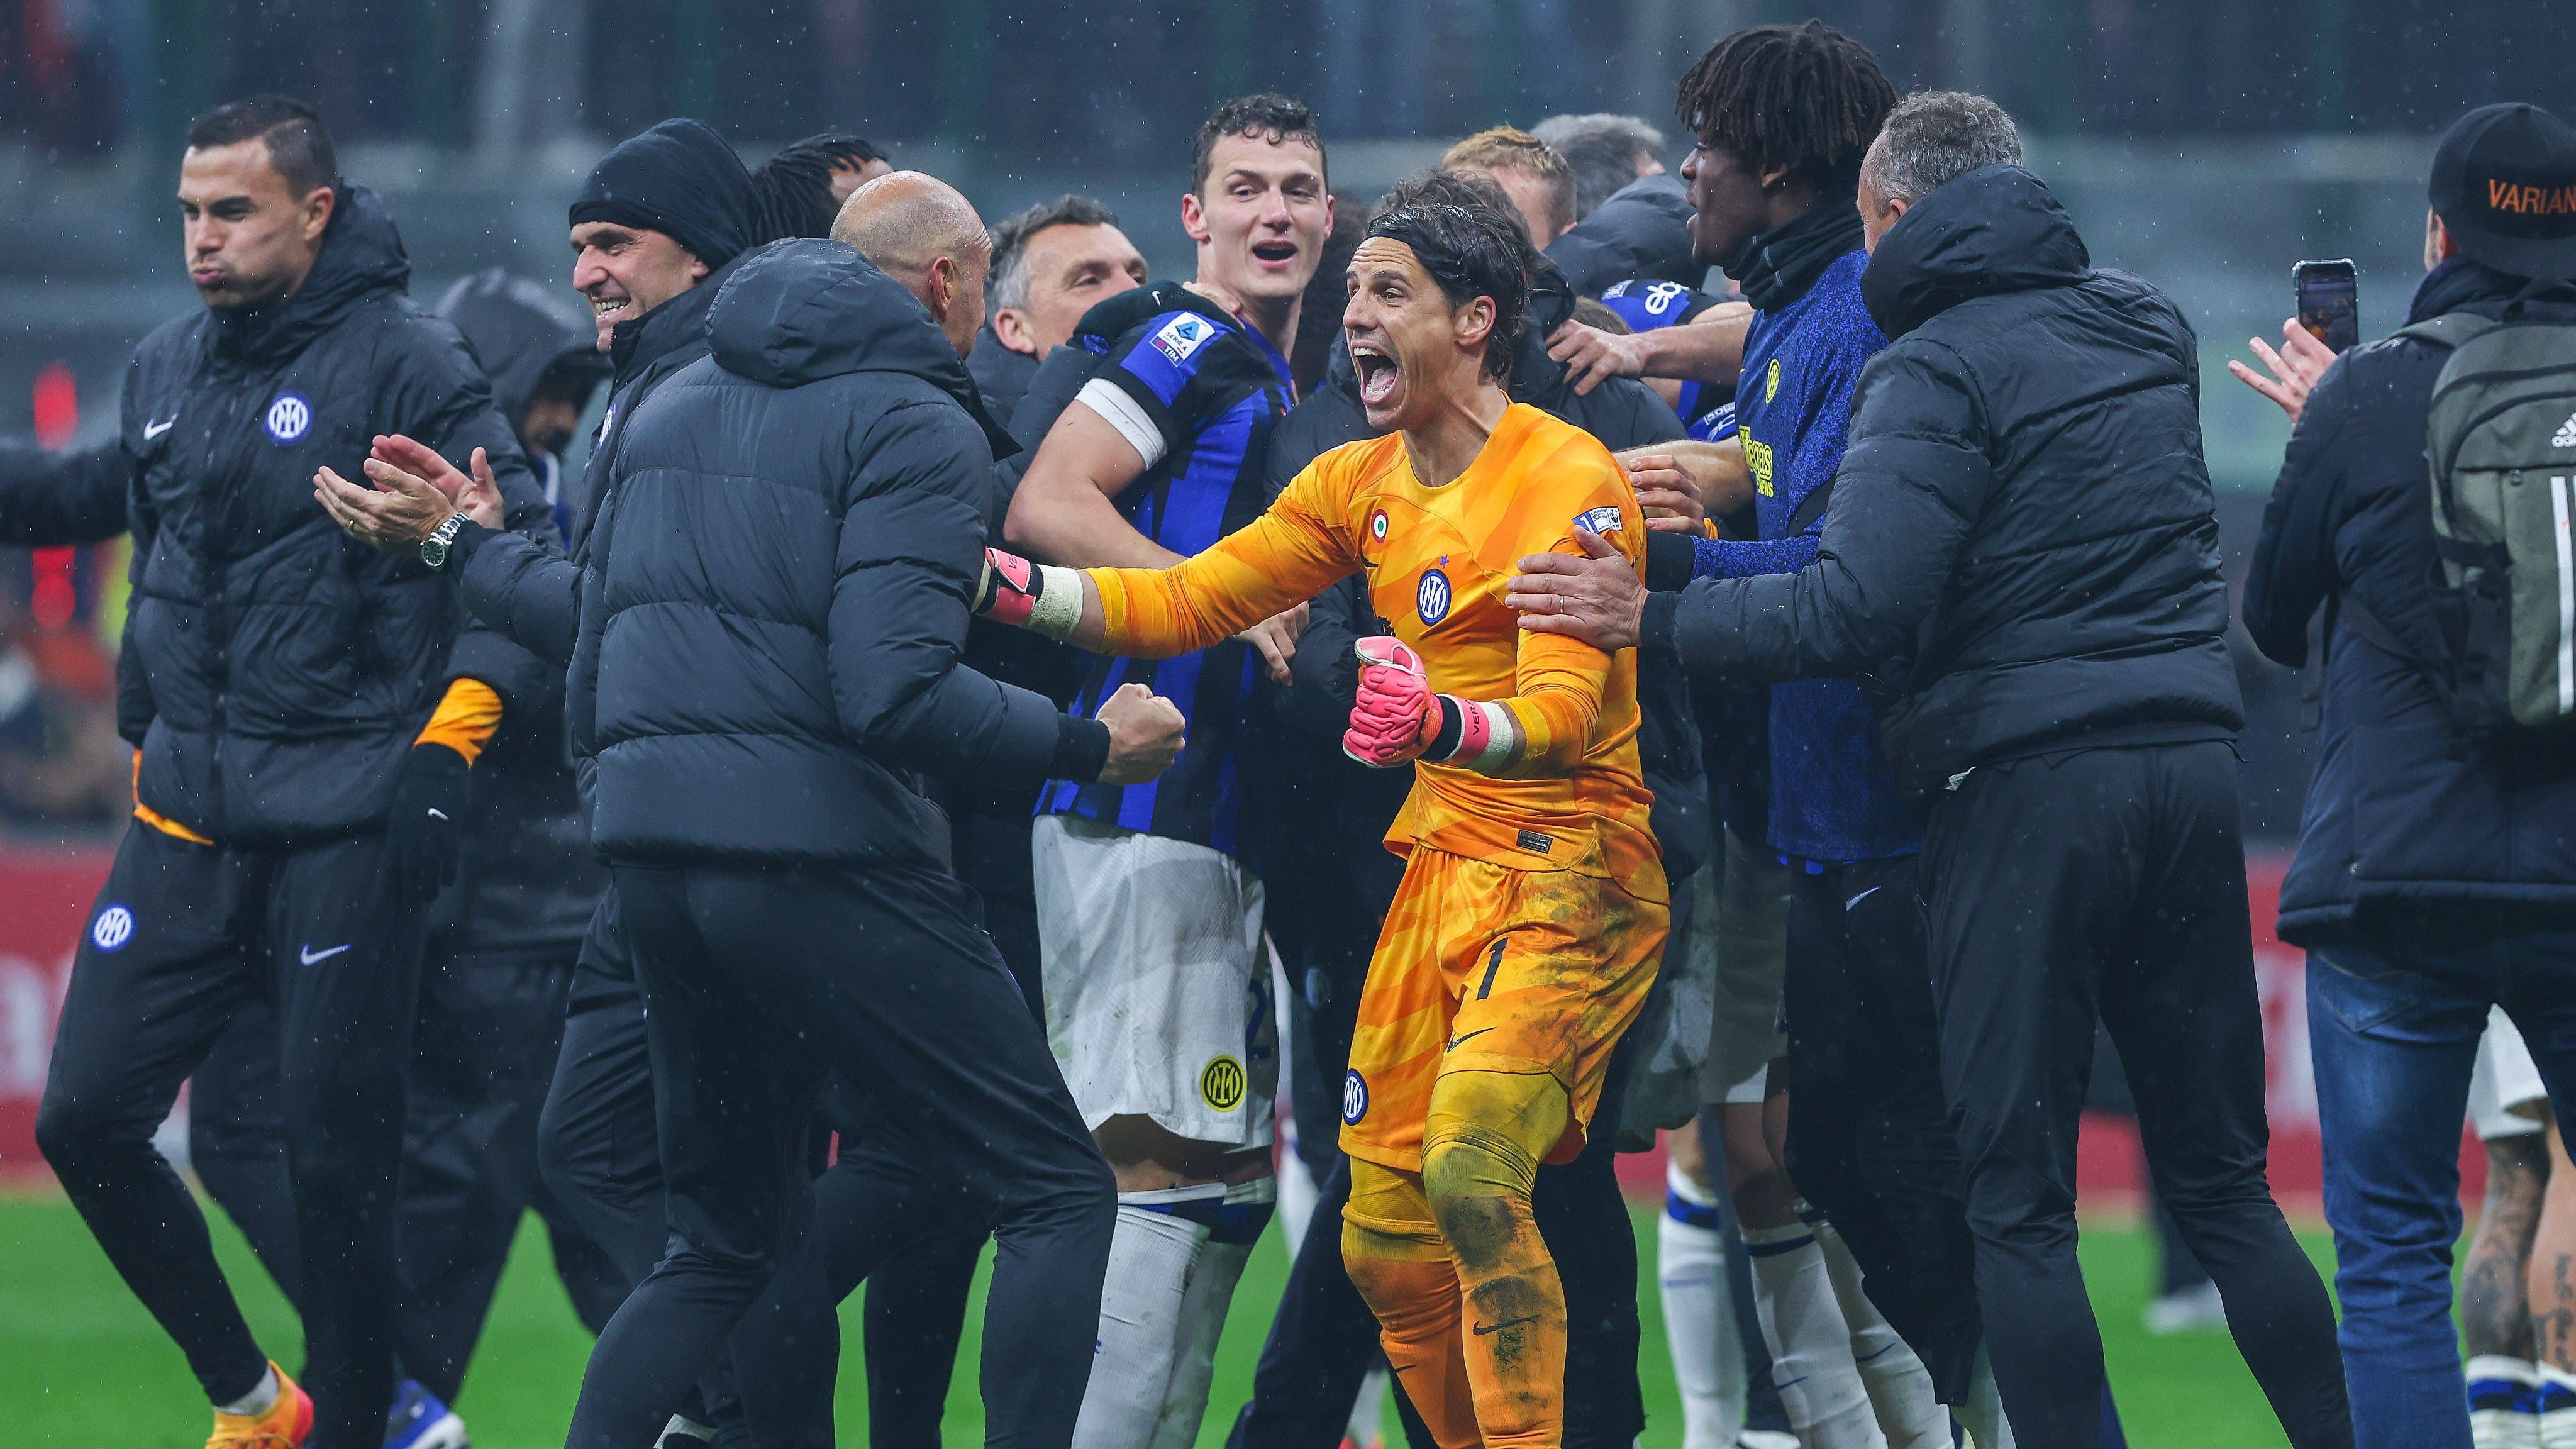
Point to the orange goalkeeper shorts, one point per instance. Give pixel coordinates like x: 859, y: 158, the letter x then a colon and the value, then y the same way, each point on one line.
x: 1482, y: 967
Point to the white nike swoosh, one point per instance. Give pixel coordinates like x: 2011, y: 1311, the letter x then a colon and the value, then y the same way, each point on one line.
x: 1864, y: 895
x: 310, y: 955
x: 154, y: 430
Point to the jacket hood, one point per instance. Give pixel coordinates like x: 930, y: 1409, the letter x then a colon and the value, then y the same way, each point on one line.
x: 1993, y: 231
x: 520, y: 329
x: 805, y: 309
x: 362, y: 255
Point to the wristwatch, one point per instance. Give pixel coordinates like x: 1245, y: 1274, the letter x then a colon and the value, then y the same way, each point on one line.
x: 433, y: 549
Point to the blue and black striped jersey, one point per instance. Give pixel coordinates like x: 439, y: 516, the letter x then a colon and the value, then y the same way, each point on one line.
x: 1198, y: 393
x: 1647, y: 305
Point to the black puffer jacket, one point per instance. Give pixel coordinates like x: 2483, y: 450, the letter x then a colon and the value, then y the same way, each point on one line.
x: 778, y: 588
x: 48, y: 499
x: 527, y: 880
x: 1642, y: 230
x: 2022, y: 554
x: 2401, y: 827
x: 527, y: 592
x: 275, y: 670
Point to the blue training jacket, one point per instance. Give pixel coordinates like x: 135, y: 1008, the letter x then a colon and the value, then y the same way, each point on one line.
x: 1833, y: 799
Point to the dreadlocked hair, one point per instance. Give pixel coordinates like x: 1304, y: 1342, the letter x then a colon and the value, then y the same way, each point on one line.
x: 793, y: 189
x: 1806, y: 99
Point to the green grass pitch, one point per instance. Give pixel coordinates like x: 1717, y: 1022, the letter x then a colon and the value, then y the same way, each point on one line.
x: 82, y: 1366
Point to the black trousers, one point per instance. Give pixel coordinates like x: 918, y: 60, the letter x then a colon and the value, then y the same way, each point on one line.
x: 182, y: 938
x: 755, y: 983
x: 597, y: 1151
x: 877, y: 1218
x: 1869, y: 1129
x: 483, y: 1051
x: 2111, y: 883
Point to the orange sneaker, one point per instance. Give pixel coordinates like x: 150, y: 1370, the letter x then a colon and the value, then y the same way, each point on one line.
x: 284, y: 1426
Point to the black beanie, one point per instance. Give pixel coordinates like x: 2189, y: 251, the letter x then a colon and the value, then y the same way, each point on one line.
x: 680, y: 179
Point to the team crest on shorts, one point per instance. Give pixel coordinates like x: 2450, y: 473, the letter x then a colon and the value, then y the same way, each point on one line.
x: 1354, y: 1097
x: 1604, y: 519
x: 1431, y: 597
x: 290, y: 417
x: 1221, y: 1084
x: 113, y: 928
x: 1182, y: 336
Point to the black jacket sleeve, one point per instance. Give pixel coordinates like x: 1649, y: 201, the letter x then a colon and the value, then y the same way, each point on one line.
x: 910, y: 553
x: 1325, y: 674
x: 520, y: 589
x: 135, y: 706
x: 1913, y: 479
x: 434, y: 393
x: 2293, y: 568
x: 48, y: 499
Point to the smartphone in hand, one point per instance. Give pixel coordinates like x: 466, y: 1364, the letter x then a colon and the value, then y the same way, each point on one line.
x: 2329, y: 302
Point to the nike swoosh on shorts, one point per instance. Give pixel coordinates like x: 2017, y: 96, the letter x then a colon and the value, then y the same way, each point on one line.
x: 1453, y: 1041
x: 309, y: 956
x: 154, y: 430
x: 1864, y: 895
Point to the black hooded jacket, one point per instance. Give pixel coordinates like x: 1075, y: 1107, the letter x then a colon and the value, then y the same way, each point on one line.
x: 2401, y: 827
x: 2022, y: 554
x: 529, y: 593
x: 275, y: 671
x: 527, y: 880
x: 778, y: 588
x: 1641, y: 230
x: 48, y: 499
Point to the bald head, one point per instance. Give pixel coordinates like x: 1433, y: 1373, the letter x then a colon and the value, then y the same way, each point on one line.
x: 918, y: 230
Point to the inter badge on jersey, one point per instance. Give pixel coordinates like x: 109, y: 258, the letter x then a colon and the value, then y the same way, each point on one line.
x: 1604, y: 519
x: 113, y: 928
x: 1182, y: 336
x: 290, y: 415
x: 1431, y: 597
x: 1355, y: 1096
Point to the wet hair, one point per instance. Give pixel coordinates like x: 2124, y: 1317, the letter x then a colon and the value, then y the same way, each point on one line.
x: 1458, y: 188
x: 1506, y: 149
x: 1601, y: 150
x: 1806, y: 99
x: 1010, y: 284
x: 1267, y: 116
x: 1933, y: 138
x: 299, y: 145
x: 793, y: 189
x: 1593, y: 312
x: 1470, y: 248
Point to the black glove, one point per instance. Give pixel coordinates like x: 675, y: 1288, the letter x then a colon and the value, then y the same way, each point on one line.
x: 429, y: 814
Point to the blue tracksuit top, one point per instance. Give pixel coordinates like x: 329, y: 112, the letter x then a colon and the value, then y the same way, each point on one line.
x: 1833, y: 800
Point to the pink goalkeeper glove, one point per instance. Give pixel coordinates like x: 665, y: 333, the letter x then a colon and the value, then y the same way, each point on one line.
x: 1396, y: 715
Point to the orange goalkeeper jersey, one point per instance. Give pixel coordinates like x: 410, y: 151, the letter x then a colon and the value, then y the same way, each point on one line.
x: 1567, y: 793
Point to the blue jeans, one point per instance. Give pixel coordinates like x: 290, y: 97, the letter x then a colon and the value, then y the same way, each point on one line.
x: 2393, y: 1032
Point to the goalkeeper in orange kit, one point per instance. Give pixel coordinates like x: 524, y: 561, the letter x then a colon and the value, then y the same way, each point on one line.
x: 1532, y: 912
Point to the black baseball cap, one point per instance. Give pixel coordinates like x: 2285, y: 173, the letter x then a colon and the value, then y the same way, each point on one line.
x: 2504, y: 184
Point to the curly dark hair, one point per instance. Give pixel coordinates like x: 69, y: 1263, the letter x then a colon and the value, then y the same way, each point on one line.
x: 1806, y: 98
x: 1270, y: 117
x: 794, y: 187
x: 1467, y: 236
